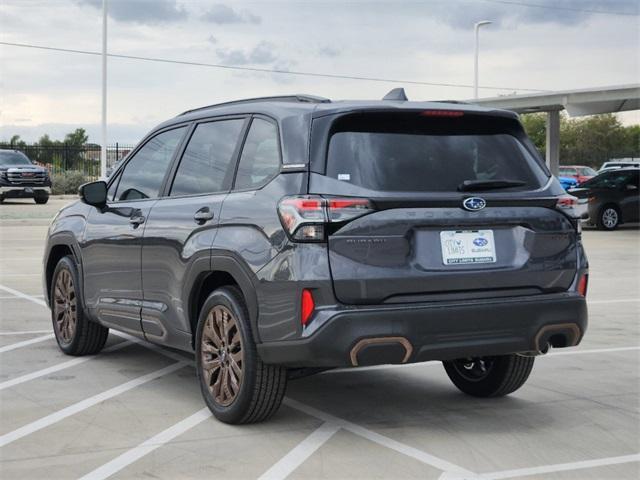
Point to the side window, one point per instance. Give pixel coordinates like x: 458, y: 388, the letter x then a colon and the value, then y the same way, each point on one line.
x: 143, y: 175
x: 112, y: 189
x: 260, y: 158
x: 205, y: 164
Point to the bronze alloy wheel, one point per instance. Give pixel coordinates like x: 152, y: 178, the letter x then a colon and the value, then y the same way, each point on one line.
x: 65, y: 306
x: 222, y: 355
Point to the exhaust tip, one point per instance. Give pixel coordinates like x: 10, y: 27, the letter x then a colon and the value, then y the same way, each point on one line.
x: 380, y: 351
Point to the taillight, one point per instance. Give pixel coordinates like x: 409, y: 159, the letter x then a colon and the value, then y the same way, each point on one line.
x: 582, y: 285
x: 305, y: 217
x: 568, y: 204
x: 307, y: 305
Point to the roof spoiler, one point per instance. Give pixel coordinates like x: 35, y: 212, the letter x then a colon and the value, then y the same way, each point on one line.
x: 396, y: 95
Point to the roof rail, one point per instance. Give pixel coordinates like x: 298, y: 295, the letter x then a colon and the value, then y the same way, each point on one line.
x: 280, y: 98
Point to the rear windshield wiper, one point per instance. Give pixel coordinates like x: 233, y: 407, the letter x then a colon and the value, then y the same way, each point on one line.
x: 469, y: 185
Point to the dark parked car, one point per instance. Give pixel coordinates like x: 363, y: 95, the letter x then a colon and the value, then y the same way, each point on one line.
x: 19, y: 178
x: 613, y: 197
x: 278, y: 237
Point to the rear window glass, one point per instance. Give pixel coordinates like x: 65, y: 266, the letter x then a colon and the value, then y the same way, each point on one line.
x: 416, y: 153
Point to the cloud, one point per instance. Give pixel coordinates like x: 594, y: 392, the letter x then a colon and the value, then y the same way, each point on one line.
x: 464, y: 13
x: 328, y: 51
x: 261, y: 54
x: 142, y: 11
x: 222, y: 14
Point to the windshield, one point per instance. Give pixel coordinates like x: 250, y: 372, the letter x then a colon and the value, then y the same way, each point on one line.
x: 429, y: 154
x: 13, y: 158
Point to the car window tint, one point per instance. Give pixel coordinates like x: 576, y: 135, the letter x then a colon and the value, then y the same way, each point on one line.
x: 610, y: 180
x: 205, y: 165
x: 260, y: 158
x: 143, y: 175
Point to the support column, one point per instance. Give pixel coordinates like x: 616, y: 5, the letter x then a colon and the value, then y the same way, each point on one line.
x: 553, y: 141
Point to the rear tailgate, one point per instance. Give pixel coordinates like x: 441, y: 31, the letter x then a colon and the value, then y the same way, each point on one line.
x: 405, y: 254
x: 421, y: 243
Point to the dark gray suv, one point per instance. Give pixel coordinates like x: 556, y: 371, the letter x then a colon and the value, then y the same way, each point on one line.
x: 282, y: 236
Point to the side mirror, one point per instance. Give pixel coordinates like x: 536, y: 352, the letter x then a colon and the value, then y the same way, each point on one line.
x: 94, y: 193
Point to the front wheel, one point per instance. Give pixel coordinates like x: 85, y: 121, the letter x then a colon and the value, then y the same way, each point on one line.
x: 41, y: 199
x: 236, y: 386
x: 75, y: 333
x: 489, y: 376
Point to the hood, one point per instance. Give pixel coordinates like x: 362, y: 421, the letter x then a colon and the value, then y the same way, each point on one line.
x: 23, y: 168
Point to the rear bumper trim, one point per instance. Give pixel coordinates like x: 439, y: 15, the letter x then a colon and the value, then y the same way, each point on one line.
x: 440, y: 331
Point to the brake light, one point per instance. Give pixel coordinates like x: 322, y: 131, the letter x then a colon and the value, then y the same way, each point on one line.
x: 307, y: 305
x: 305, y: 217
x: 442, y: 113
x: 582, y: 285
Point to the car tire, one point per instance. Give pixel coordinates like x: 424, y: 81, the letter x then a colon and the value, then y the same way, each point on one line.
x: 1, y: 199
x: 41, y: 199
x: 237, y: 387
x: 75, y: 333
x: 608, y: 218
x: 489, y: 376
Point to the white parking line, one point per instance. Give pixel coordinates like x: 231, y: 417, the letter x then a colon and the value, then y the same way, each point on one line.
x: 148, y: 446
x: 25, y: 343
x: 23, y: 295
x: 296, y: 457
x: 619, y: 300
x: 13, y: 297
x: 370, y: 435
x: 592, y: 350
x: 561, y: 467
x: 84, y: 404
x: 24, y: 332
x: 61, y: 366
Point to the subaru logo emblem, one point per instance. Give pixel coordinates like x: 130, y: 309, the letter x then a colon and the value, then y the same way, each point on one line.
x: 480, y: 242
x: 474, y: 204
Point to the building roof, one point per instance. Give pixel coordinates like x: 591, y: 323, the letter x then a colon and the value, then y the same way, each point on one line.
x: 588, y: 101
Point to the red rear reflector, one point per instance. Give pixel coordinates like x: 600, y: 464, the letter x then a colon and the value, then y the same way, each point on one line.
x: 582, y: 285
x: 442, y: 113
x: 307, y: 306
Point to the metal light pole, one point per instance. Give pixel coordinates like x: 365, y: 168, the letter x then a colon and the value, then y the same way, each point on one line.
x: 103, y: 147
x: 476, y: 29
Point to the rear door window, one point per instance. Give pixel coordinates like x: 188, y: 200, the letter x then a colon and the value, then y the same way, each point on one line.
x: 411, y: 152
x: 206, y: 163
x: 260, y: 159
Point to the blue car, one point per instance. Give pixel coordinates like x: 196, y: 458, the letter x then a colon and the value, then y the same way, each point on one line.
x: 568, y: 182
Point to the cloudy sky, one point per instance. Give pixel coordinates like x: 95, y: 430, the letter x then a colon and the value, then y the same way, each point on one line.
x: 532, y: 44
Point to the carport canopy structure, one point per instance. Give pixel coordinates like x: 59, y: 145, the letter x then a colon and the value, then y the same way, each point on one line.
x: 577, y: 103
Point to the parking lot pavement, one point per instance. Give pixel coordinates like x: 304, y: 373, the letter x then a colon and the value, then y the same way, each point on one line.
x: 134, y: 411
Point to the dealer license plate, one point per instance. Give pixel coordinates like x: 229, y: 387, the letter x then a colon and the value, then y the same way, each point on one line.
x: 467, y: 246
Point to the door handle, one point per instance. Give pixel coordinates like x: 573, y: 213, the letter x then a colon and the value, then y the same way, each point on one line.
x: 136, y: 220
x: 203, y: 215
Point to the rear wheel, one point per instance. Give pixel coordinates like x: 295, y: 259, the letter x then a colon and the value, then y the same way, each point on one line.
x: 608, y: 218
x: 236, y: 386
x: 41, y: 199
x: 76, y: 335
x: 489, y: 376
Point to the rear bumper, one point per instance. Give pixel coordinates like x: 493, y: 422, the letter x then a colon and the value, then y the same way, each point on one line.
x: 26, y: 191
x: 438, y: 331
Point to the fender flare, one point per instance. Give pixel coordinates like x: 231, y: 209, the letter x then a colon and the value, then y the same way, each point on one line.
x: 68, y: 240
x: 228, y: 263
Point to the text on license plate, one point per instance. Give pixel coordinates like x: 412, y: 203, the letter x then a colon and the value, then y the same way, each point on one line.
x: 467, y: 246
